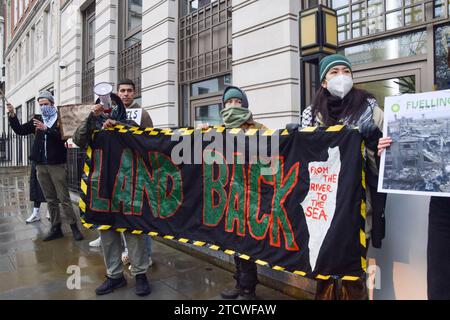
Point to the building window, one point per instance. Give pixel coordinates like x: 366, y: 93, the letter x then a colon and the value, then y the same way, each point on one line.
x: 20, y: 8
x: 442, y: 57
x: 130, y: 43
x: 88, y: 75
x: 205, y: 53
x: 19, y: 63
x: 32, y: 46
x: 190, y: 6
x: 202, y: 101
x: 27, y: 54
x: 209, y: 86
x: 16, y: 12
x: 441, y: 7
x: 360, y: 18
x: 30, y: 109
x: 205, y: 41
x: 388, y: 49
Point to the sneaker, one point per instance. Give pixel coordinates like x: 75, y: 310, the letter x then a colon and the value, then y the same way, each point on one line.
x: 142, y: 286
x: 125, y: 258
x: 35, y: 217
x: 48, y: 215
x: 97, y: 243
x: 110, y: 285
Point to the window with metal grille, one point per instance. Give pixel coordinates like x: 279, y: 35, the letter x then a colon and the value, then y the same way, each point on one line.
x: 129, y: 64
x: 363, y: 18
x: 204, y: 39
x: 88, y: 74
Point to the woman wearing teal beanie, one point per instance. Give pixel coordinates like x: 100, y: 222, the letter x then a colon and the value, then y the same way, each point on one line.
x: 338, y: 102
x: 236, y: 114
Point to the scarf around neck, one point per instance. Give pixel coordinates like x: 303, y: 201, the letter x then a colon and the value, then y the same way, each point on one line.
x: 234, y: 117
x: 49, y: 115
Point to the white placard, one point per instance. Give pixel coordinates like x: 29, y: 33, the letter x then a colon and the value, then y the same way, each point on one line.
x: 135, y: 115
x: 418, y: 161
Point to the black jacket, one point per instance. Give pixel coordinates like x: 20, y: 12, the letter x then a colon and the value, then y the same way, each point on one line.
x: 49, y: 141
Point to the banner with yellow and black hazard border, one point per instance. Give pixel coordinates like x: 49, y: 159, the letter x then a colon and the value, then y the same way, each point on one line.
x: 290, y: 201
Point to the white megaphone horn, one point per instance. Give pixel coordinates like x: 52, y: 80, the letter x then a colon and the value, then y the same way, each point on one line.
x: 103, y: 90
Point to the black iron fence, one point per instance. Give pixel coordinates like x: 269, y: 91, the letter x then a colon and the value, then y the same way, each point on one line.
x: 14, y: 149
x: 75, y: 164
x: 14, y: 152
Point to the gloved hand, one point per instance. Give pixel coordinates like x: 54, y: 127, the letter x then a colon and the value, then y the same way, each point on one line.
x: 371, y: 134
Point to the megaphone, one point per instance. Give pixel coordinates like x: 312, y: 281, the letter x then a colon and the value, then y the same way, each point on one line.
x: 112, y: 104
x: 103, y: 90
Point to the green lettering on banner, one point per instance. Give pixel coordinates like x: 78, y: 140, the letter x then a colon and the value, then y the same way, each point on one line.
x: 236, y: 200
x: 258, y: 227
x: 145, y: 184
x: 170, y: 188
x: 97, y: 203
x: 123, y: 186
x: 280, y: 220
x: 212, y: 186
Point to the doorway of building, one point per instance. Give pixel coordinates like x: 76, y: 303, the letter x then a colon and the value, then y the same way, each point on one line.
x: 206, y: 111
x: 389, y: 87
x: 391, y: 81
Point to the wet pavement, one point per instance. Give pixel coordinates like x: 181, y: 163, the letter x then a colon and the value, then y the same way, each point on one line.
x: 32, y: 269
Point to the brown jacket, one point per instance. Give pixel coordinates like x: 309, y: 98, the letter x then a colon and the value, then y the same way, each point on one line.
x: 253, y: 125
x: 146, y: 120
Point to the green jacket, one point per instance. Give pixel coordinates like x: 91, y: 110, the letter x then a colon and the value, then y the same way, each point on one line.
x: 83, y: 135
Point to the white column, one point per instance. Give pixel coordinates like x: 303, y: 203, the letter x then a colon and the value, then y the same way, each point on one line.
x: 159, y: 56
x: 106, y: 41
x: 266, y: 60
x: 71, y: 53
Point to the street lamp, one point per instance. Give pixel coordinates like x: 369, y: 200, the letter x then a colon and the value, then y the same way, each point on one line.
x: 318, y: 38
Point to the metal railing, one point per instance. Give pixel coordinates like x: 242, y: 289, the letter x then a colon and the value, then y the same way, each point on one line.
x: 14, y: 150
x: 75, y: 163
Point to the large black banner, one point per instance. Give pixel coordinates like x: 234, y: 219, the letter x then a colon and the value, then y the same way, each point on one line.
x: 290, y: 200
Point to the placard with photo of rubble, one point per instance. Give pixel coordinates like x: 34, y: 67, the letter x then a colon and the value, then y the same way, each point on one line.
x: 418, y: 161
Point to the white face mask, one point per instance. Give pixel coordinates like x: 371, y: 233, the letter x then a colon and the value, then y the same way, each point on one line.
x: 340, y: 85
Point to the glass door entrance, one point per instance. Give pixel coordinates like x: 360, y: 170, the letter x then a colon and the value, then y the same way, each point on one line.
x: 389, y: 87
x: 206, y: 111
